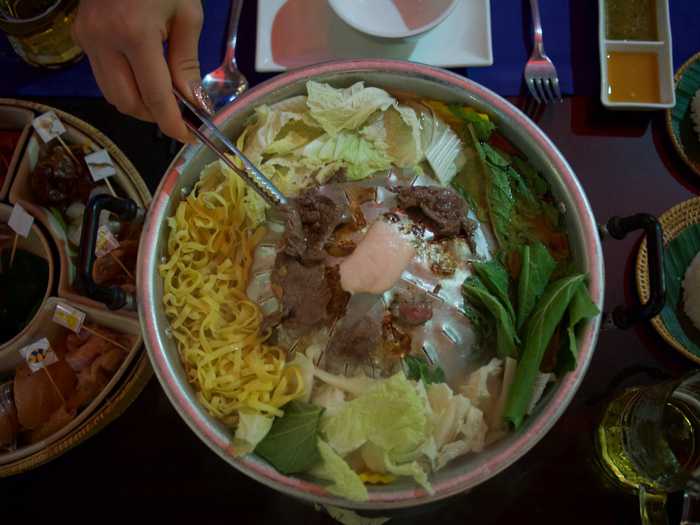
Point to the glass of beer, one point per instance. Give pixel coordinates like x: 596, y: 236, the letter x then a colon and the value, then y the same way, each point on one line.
x: 40, y: 30
x: 647, y: 441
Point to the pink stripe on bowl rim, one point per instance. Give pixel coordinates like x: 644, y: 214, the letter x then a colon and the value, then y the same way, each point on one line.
x: 195, y: 415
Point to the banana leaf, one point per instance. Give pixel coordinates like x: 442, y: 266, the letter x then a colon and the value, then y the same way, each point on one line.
x: 677, y: 257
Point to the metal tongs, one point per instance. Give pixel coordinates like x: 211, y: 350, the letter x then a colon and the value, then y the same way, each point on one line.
x: 196, y: 115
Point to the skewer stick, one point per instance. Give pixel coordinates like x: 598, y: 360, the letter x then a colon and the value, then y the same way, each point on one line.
x: 68, y: 150
x: 98, y: 334
x: 14, y: 249
x: 118, y: 261
x: 58, y: 390
x: 111, y: 189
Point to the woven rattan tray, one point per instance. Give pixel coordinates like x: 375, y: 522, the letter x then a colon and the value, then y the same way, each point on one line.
x: 139, y: 372
x: 673, y: 222
x: 683, y: 95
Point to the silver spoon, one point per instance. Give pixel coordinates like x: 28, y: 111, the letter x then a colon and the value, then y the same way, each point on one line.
x: 226, y: 83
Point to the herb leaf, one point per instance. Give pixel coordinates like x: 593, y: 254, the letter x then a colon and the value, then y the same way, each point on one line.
x: 419, y: 370
x: 483, y: 127
x: 496, y: 279
x: 538, y: 332
x: 506, y: 338
x: 501, y: 206
x: 474, y: 178
x: 581, y: 308
x: 535, y: 270
x: 534, y: 180
x: 291, y: 445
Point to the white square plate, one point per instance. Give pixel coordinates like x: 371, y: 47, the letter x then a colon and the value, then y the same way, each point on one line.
x: 296, y: 33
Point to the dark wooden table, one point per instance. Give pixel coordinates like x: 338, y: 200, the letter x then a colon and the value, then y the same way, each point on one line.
x: 148, y: 463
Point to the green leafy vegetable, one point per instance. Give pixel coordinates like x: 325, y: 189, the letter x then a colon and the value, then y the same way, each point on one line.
x: 412, y: 469
x: 361, y: 157
x: 391, y: 415
x: 473, y: 179
x: 418, y: 369
x: 251, y: 430
x: 345, y: 109
x: 501, y: 206
x: 506, y: 338
x: 517, y: 205
x: 268, y: 125
x: 483, y: 127
x: 346, y: 482
x: 534, y: 180
x: 538, y: 332
x: 397, y: 131
x: 496, y: 157
x: 535, y: 270
x: 581, y: 308
x: 291, y: 444
x: 496, y: 279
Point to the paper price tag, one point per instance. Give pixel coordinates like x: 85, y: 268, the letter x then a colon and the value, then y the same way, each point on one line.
x: 69, y: 317
x: 38, y: 354
x: 20, y: 221
x: 106, y: 242
x: 48, y: 126
x: 100, y: 165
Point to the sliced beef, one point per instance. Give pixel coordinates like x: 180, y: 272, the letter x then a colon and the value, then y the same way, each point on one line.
x: 356, y: 341
x: 304, y: 292
x: 310, y: 222
x: 294, y: 234
x: 411, y: 310
x: 339, y: 297
x: 445, y: 209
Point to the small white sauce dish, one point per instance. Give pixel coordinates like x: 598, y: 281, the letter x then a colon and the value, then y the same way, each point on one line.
x: 661, y: 48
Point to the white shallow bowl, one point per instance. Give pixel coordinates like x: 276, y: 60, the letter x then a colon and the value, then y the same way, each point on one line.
x: 392, y: 18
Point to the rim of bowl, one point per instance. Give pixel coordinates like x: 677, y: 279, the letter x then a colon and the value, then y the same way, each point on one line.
x: 194, y: 414
x: 335, y: 6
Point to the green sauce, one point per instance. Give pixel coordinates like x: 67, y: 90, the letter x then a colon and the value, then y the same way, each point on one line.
x: 631, y: 20
x: 22, y: 290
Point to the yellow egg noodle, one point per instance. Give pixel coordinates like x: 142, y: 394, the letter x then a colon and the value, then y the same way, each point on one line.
x: 217, y: 328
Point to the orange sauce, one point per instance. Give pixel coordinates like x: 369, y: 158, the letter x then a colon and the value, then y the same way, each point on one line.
x: 633, y: 77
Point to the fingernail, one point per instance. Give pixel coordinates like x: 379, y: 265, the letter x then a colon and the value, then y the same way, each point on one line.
x: 201, y: 97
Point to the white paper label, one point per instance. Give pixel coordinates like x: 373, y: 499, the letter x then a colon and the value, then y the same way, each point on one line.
x: 48, y: 126
x: 38, y: 354
x: 20, y: 221
x: 100, y: 165
x: 106, y: 242
x: 70, y: 317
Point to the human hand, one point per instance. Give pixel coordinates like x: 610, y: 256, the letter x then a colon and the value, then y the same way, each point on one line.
x: 124, y: 41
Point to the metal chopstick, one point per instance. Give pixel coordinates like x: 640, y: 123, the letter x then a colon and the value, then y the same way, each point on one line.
x: 194, y: 117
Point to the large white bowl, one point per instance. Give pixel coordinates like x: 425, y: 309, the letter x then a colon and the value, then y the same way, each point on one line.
x: 393, y: 18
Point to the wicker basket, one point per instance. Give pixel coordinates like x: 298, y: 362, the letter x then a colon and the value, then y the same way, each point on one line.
x: 139, y: 372
x: 673, y: 222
